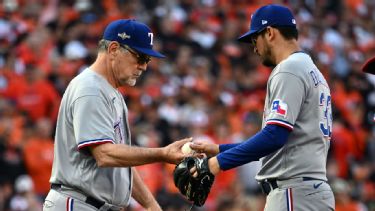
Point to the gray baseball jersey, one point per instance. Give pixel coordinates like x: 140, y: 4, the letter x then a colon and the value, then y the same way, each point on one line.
x: 92, y: 112
x: 298, y: 98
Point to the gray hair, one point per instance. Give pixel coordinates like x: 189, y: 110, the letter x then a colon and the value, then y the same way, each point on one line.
x: 103, y: 45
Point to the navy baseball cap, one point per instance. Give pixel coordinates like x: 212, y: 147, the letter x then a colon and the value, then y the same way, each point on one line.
x: 132, y: 33
x: 369, y: 66
x: 269, y: 15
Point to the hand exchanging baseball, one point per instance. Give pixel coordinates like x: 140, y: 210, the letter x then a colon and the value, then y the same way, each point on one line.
x: 173, y: 152
x: 209, y: 149
x: 186, y: 149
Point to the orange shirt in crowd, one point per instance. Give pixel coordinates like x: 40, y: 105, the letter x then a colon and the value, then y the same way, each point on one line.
x: 348, y: 206
x: 168, y: 178
x: 344, y: 147
x: 38, y: 156
x: 39, y: 100
x: 151, y: 175
x: 10, y: 89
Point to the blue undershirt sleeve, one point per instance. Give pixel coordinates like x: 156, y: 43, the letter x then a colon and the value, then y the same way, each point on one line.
x: 225, y: 147
x: 266, y: 141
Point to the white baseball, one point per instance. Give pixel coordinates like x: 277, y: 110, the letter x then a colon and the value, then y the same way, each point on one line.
x: 186, y: 148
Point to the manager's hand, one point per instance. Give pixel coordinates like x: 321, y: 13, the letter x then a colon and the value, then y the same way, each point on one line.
x: 173, y: 152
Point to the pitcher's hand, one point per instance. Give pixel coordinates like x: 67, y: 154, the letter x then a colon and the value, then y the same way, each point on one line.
x: 209, y: 149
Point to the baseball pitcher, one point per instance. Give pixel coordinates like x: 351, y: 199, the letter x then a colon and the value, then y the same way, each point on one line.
x: 297, y: 121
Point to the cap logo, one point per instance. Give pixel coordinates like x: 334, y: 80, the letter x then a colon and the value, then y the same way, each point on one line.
x: 123, y: 35
x: 264, y: 22
x: 151, y: 35
x: 294, y: 21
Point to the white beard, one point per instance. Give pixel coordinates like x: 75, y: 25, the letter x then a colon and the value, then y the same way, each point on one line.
x: 131, y: 81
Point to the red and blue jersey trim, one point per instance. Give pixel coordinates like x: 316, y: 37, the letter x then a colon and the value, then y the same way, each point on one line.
x: 289, y: 199
x: 69, y: 204
x: 94, y: 142
x: 279, y: 122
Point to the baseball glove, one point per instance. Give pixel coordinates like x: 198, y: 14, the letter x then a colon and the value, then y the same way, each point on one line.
x: 196, y: 189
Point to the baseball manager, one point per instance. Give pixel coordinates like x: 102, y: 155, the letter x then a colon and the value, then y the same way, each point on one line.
x: 94, y: 159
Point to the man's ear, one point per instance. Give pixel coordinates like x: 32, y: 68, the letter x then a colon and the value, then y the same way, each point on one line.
x: 112, y: 48
x: 270, y: 33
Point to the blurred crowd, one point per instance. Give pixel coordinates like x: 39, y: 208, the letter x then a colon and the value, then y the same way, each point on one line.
x: 210, y: 87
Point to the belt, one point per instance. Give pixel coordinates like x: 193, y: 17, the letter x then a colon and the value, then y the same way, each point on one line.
x: 268, y: 185
x: 89, y: 200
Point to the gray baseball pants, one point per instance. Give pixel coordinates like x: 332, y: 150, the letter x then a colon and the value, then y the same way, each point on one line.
x: 299, y: 195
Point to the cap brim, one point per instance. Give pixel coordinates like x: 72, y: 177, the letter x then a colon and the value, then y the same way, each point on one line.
x: 149, y: 52
x: 369, y: 66
x: 247, y: 36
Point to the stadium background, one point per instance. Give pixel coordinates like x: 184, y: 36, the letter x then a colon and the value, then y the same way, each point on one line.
x: 210, y: 87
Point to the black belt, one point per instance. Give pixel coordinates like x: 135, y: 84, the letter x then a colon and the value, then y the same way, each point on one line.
x: 89, y: 200
x: 268, y: 185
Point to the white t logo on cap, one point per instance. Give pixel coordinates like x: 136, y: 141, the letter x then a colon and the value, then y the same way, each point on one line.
x: 294, y: 21
x: 264, y: 22
x: 150, y: 34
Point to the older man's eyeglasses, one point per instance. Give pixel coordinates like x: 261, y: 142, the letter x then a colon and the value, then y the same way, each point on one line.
x: 141, y: 58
